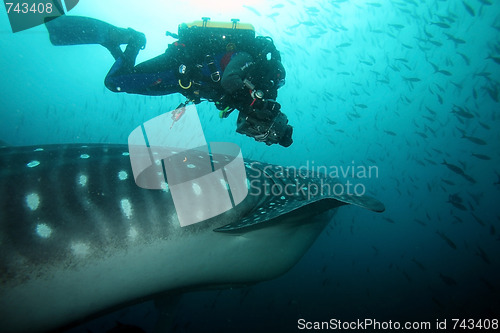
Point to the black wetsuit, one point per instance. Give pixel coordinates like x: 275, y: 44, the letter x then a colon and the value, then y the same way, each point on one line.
x: 218, y: 77
x: 160, y: 76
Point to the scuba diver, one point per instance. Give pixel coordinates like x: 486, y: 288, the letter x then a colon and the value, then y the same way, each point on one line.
x: 224, y: 63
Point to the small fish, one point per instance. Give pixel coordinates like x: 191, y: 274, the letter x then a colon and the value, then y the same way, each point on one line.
x: 483, y: 255
x: 466, y: 58
x: 278, y: 6
x: 430, y: 161
x: 487, y: 284
x: 495, y: 59
x: 253, y: 10
x: 447, y: 280
x: 493, y: 92
x: 419, y: 264
x: 407, y: 276
x: 435, y: 42
x: 447, y: 240
x: 411, y: 79
x: 469, y: 9
x: 312, y: 10
x: 453, y: 168
x: 481, y: 156
x: 344, y: 45
x: 478, y: 220
x: 449, y: 182
x: 475, y: 140
x: 457, y: 204
x: 390, y: 132
x: 437, y: 302
x: 459, y: 111
x: 362, y: 106
x: 445, y: 72
x: 421, y: 222
x: 308, y: 23
x: 431, y: 111
x: 469, y: 178
x: 455, y: 39
x: 441, y: 25
x: 498, y: 181
x: 401, y: 59
x: 397, y: 26
x: 440, y: 99
x: 388, y: 219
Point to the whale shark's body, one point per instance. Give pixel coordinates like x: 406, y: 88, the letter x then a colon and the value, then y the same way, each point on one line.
x: 78, y: 237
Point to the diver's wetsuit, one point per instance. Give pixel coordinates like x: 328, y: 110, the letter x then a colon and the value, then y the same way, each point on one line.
x: 259, y: 117
x: 160, y: 76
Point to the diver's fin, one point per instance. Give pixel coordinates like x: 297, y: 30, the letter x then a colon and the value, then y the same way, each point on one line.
x: 78, y: 30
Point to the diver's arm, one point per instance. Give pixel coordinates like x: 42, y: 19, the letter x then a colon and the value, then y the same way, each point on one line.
x: 235, y: 72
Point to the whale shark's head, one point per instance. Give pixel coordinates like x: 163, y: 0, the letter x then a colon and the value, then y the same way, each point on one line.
x: 78, y: 236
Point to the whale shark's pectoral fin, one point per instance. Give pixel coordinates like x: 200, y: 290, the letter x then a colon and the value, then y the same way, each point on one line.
x: 278, y: 207
x: 361, y: 201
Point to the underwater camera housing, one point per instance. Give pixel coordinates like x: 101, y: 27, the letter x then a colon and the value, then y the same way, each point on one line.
x: 274, y: 131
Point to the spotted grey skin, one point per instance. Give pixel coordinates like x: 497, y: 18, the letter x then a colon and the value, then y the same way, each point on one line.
x: 78, y: 237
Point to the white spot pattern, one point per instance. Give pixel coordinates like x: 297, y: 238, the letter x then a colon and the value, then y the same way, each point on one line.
x: 196, y: 189
x: 33, y: 164
x: 132, y: 233
x: 164, y: 186
x: 43, y: 230
x: 122, y: 175
x: 224, y: 184
x: 82, y: 180
x: 33, y: 201
x: 80, y: 249
x: 126, y: 208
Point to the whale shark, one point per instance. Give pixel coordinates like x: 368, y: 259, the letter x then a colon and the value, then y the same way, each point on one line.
x: 79, y: 238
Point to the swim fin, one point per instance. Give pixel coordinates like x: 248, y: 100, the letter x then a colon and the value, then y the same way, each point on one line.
x: 78, y: 30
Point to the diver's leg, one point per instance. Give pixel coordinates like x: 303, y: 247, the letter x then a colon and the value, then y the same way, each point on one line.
x: 78, y: 30
x: 156, y: 76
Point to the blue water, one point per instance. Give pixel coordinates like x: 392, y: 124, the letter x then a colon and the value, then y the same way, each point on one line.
x: 401, y: 85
